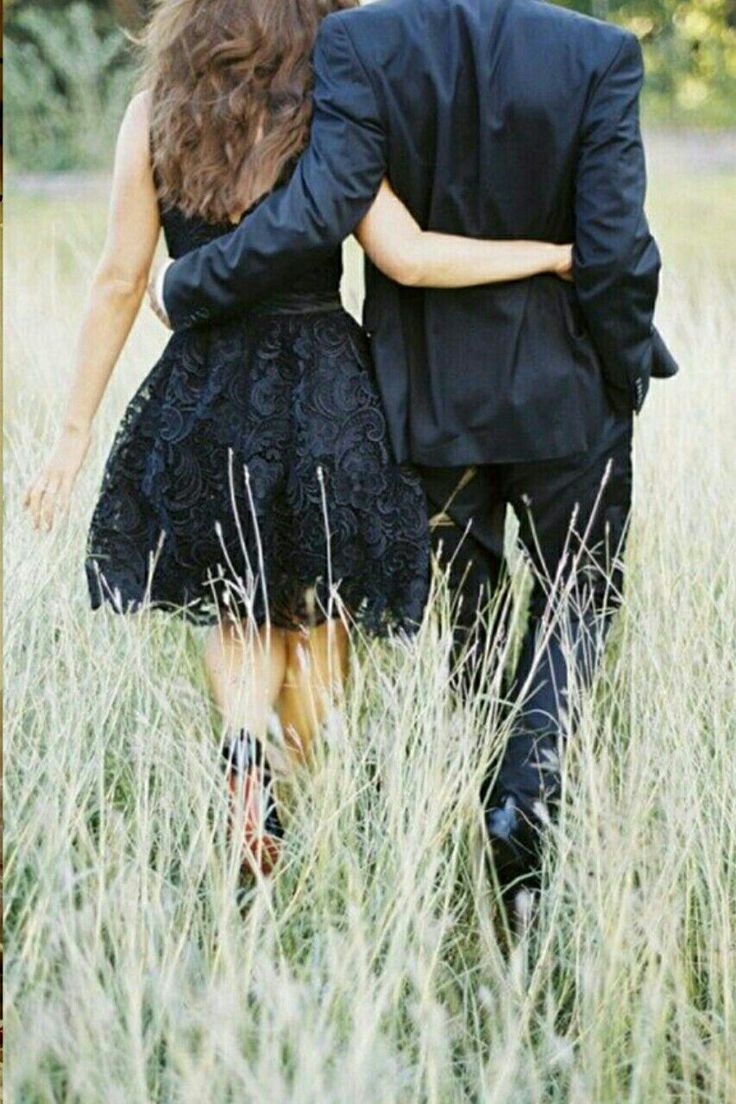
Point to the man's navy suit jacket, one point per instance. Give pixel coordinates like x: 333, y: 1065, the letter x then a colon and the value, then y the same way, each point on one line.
x: 494, y: 119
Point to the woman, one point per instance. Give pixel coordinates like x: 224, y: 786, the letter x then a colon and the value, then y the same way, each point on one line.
x: 250, y: 486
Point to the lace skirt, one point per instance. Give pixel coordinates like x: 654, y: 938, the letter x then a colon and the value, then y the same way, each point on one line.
x: 251, y: 475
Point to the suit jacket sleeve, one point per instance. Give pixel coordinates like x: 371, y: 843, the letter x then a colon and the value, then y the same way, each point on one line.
x: 616, y: 260
x: 331, y: 189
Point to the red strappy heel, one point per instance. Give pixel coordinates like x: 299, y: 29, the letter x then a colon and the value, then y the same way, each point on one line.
x: 250, y: 786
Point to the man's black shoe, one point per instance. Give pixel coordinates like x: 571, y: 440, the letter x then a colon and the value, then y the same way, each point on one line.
x: 514, y: 842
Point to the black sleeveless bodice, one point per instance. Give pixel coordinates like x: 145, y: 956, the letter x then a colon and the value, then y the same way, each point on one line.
x: 251, y: 472
x: 318, y: 286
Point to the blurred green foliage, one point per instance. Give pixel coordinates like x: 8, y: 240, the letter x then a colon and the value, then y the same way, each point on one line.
x: 68, y: 75
x: 690, y: 52
x: 69, y: 70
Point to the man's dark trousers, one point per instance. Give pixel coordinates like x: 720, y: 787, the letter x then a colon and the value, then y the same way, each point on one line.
x: 573, y: 516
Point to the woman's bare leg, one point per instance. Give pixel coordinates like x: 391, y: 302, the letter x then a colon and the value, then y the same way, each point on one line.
x: 316, y: 669
x: 245, y: 668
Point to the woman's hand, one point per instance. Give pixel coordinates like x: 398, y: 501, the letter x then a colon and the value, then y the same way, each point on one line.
x: 562, y: 264
x: 51, y: 490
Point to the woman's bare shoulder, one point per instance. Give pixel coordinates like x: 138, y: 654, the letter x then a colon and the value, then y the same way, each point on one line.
x: 133, y: 154
x: 134, y: 139
x: 138, y: 111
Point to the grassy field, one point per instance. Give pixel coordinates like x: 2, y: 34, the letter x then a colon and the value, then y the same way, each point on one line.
x: 370, y: 969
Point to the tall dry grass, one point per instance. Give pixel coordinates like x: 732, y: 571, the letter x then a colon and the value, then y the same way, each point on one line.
x: 369, y: 969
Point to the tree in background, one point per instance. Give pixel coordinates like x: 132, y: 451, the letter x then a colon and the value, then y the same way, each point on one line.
x: 70, y: 69
x: 68, y: 75
x: 690, y: 48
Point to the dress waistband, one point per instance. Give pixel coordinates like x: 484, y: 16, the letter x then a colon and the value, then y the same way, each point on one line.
x: 294, y: 302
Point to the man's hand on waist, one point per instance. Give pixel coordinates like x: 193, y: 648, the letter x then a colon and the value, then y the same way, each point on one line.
x: 156, y: 293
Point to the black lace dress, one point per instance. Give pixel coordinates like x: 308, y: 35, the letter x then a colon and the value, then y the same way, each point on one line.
x: 251, y: 472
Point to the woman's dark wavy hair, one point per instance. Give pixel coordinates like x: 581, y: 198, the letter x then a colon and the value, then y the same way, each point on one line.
x: 230, y: 84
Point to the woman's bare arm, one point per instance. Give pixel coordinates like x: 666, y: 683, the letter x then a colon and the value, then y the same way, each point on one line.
x: 112, y: 304
x: 422, y: 258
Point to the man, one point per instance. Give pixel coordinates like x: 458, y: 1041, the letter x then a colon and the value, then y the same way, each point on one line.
x: 497, y: 119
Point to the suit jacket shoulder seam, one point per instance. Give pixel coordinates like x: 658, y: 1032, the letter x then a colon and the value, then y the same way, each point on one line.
x: 362, y: 66
x: 626, y: 37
